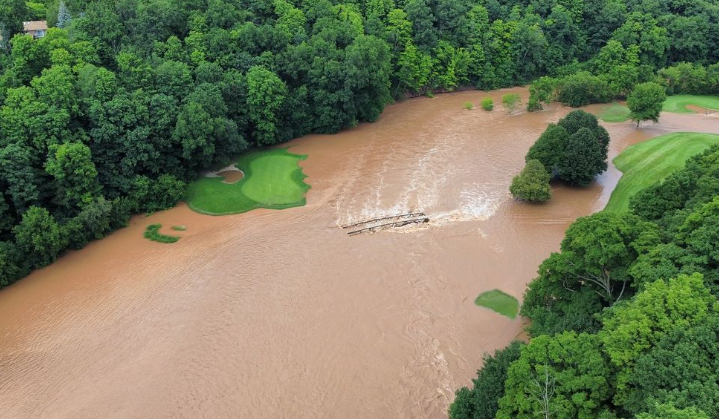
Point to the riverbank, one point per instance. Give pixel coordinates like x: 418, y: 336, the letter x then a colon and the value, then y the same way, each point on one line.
x: 280, y: 313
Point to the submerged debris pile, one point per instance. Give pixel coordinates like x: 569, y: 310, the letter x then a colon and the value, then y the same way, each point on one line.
x: 394, y: 221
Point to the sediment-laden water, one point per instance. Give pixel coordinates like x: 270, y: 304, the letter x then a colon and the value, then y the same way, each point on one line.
x: 280, y: 314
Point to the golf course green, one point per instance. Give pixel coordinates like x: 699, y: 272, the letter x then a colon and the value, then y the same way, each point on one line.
x: 646, y: 163
x: 499, y: 302
x: 272, y: 179
x: 616, y: 112
x: 679, y: 103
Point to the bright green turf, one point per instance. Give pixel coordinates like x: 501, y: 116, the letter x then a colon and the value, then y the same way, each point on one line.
x: 648, y: 162
x: 615, y: 112
x: 678, y: 103
x: 273, y: 179
x: 500, y: 302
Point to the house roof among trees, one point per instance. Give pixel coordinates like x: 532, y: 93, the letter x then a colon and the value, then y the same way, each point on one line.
x: 35, y: 25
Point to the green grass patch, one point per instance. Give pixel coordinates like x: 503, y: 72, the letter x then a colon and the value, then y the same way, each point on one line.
x: 679, y: 103
x: 152, y: 232
x: 500, y: 302
x: 648, y: 162
x: 273, y: 179
x: 615, y: 112
x: 179, y: 228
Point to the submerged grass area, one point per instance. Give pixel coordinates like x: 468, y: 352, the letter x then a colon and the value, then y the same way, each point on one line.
x: 500, y: 302
x: 273, y: 179
x: 645, y: 163
x: 679, y: 103
x: 152, y: 232
x: 616, y: 112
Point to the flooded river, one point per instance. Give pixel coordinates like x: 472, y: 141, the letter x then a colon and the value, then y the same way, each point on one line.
x: 280, y: 314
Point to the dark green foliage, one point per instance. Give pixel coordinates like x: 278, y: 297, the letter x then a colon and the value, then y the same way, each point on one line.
x: 668, y: 411
x: 582, y: 89
x: 549, y: 148
x: 532, y: 184
x: 12, y: 14
x: 646, y: 102
x: 681, y: 369
x: 564, y: 377
x: 156, y: 195
x: 574, y: 150
x: 481, y: 401
x: 583, y: 158
x: 590, y: 272
x: 39, y: 237
x: 688, y: 78
x: 631, y: 330
x: 152, y: 232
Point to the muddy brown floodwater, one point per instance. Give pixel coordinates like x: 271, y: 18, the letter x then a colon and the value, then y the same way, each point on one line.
x: 280, y: 314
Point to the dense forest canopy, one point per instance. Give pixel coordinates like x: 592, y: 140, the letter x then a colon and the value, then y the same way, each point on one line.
x: 122, y: 102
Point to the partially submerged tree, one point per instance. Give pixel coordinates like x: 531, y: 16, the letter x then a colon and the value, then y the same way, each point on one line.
x: 532, y: 184
x: 511, y: 101
x: 574, y: 150
x: 646, y: 102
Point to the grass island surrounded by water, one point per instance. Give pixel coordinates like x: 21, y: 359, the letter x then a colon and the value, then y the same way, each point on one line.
x: 650, y: 161
x: 152, y: 232
x: 499, y: 302
x: 272, y: 179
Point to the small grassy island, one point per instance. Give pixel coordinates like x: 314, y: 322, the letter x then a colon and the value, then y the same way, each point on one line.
x: 152, y: 232
x: 499, y: 302
x: 272, y: 179
x: 646, y: 163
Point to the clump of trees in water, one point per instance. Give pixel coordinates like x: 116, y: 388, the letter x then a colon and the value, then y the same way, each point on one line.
x: 122, y: 102
x: 624, y: 319
x: 573, y: 150
x: 532, y: 184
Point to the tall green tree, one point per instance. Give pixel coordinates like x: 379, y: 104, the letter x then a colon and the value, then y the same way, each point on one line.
x: 12, y: 14
x: 646, y: 102
x: 75, y: 175
x: 39, y: 237
x: 562, y: 377
x: 63, y: 16
x: 266, y: 92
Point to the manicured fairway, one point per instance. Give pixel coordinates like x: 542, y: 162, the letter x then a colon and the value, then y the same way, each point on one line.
x: 645, y: 163
x: 500, y: 302
x: 679, y: 103
x: 615, y: 112
x: 273, y: 179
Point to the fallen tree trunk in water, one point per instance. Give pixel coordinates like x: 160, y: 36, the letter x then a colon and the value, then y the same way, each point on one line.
x: 395, y: 224
x: 409, y: 215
